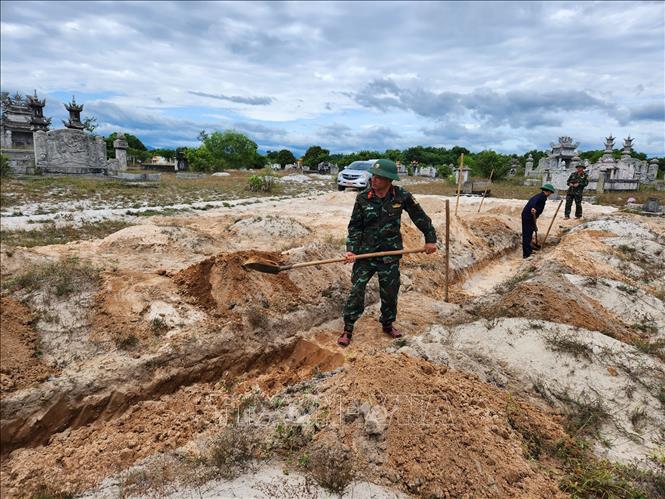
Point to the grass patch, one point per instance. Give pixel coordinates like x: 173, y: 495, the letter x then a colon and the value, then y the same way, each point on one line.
x: 61, y: 278
x: 511, y: 283
x: 105, y: 191
x: 126, y: 342
x: 50, y: 234
x: 655, y: 348
x: 567, y: 344
x: 156, y: 212
x: 638, y: 418
x: 291, y: 437
x: 232, y: 450
x: 331, y: 468
x: 584, y: 416
x: 587, y: 476
x: 627, y: 289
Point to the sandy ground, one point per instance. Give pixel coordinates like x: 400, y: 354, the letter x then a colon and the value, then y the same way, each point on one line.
x: 177, y: 332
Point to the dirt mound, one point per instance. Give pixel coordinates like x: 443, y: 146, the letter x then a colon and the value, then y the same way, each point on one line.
x: 439, y: 432
x: 221, y: 283
x: 552, y: 298
x: 20, y: 365
x: 269, y: 226
x: 583, y: 252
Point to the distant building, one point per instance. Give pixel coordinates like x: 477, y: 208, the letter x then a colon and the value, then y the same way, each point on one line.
x: 20, y: 118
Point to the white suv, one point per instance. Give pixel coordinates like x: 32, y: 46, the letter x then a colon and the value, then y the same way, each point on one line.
x: 355, y: 175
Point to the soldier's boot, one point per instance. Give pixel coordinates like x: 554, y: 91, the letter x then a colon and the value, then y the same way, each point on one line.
x: 390, y: 329
x: 345, y: 339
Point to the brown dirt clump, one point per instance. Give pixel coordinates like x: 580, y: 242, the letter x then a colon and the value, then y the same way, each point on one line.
x: 447, y: 434
x: 553, y: 299
x: 20, y: 365
x: 221, y: 283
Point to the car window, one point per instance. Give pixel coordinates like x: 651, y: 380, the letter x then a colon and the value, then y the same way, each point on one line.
x: 359, y: 165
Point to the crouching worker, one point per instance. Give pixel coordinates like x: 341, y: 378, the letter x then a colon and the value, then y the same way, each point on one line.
x: 531, y: 211
x: 375, y: 226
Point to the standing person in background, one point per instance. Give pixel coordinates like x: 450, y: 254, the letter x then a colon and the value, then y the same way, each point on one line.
x: 577, y: 181
x: 531, y: 211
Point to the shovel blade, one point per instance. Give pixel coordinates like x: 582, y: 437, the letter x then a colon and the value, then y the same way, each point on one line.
x: 262, y: 266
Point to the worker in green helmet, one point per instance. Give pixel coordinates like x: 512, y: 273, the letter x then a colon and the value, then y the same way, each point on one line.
x: 375, y: 226
x: 531, y: 211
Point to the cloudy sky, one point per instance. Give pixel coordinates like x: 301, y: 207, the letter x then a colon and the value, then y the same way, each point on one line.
x: 348, y: 75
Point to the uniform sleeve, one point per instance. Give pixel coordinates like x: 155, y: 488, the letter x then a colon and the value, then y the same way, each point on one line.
x: 570, y: 179
x: 584, y: 180
x: 420, y: 218
x: 540, y: 204
x: 355, y: 229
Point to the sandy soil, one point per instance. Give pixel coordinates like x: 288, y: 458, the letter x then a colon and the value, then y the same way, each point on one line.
x: 21, y: 365
x: 178, y: 332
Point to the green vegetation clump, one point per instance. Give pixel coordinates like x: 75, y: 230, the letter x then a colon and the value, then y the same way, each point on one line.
x: 263, y: 182
x: 49, y: 233
x: 57, y: 278
x: 5, y: 169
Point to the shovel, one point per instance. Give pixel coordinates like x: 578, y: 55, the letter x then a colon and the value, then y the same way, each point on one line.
x: 535, y: 246
x: 273, y: 268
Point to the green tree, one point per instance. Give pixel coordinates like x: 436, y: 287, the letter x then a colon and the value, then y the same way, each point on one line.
x: 285, y: 157
x: 314, y: 155
x: 136, y: 150
x: 164, y: 153
x: 199, y: 159
x: 90, y: 125
x: 394, y: 155
x: 232, y: 149
x: 485, y: 161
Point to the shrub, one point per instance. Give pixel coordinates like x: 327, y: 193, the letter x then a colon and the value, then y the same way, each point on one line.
x: 5, y: 169
x: 262, y: 182
x: 232, y: 450
x: 331, y: 468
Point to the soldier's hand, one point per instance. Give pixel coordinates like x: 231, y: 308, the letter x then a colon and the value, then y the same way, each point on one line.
x: 350, y: 257
x: 533, y: 211
x: 430, y: 248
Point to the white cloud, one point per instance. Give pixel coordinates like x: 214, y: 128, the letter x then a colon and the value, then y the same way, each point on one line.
x: 300, y: 66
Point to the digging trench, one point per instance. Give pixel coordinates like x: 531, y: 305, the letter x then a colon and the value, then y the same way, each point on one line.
x: 113, y: 384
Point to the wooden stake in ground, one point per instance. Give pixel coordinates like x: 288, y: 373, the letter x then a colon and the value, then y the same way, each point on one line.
x: 447, y: 245
x: 552, y: 223
x: 459, y: 182
x: 486, y: 189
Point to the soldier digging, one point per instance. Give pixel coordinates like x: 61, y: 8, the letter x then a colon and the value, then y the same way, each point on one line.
x: 577, y: 181
x: 531, y: 211
x: 375, y: 226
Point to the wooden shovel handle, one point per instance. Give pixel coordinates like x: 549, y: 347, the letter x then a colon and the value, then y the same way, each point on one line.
x: 358, y: 257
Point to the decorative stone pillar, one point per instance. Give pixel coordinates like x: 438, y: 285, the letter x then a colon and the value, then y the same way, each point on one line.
x: 600, y: 184
x: 120, y: 145
x: 465, y: 174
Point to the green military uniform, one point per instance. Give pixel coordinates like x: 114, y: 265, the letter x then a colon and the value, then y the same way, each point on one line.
x: 575, y: 193
x: 375, y: 226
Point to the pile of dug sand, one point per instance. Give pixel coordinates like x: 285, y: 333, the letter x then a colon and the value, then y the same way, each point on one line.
x: 438, y: 432
x: 269, y: 226
x: 553, y: 298
x: 20, y: 365
x: 221, y: 283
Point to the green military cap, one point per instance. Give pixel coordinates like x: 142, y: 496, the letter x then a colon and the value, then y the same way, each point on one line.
x: 385, y: 168
x: 580, y: 165
x: 548, y: 187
